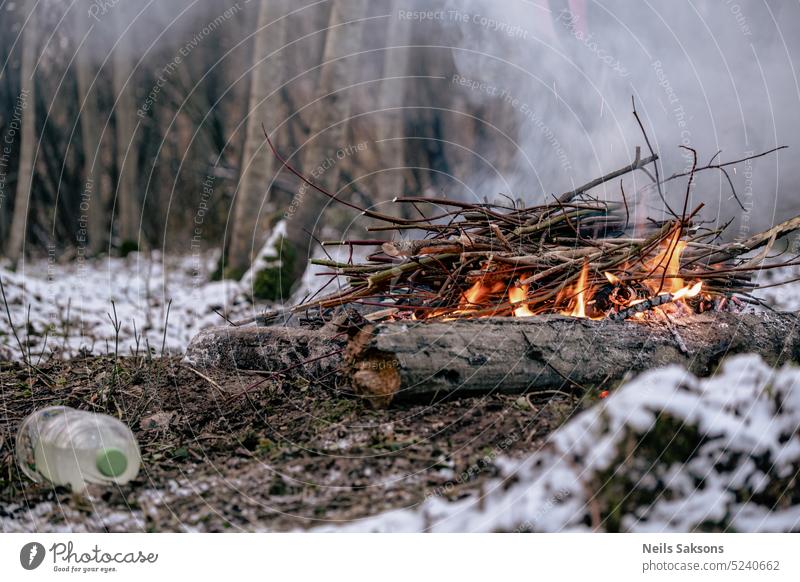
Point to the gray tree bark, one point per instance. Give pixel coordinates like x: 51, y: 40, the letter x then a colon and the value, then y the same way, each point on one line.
x: 397, y: 361
x: 512, y: 355
x: 328, y: 128
x: 27, y: 145
x: 298, y: 351
x: 250, y: 223
x: 390, y: 130
x: 97, y: 222
x: 128, y: 204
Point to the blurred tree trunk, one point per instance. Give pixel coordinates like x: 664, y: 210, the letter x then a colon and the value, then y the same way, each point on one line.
x: 7, y: 103
x: 90, y: 132
x: 127, y: 152
x: 27, y: 145
x: 328, y: 129
x: 250, y: 223
x: 391, y: 128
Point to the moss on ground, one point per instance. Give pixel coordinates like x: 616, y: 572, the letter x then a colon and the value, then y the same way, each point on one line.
x: 127, y: 247
x: 274, y: 276
x: 621, y: 489
x: 274, y: 281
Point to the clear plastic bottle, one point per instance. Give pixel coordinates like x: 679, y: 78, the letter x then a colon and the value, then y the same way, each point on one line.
x: 73, y: 447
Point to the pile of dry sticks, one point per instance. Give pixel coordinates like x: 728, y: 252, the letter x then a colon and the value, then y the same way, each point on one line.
x: 576, y: 255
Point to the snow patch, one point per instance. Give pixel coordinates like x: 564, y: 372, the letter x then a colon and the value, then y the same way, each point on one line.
x: 69, y: 308
x: 666, y: 452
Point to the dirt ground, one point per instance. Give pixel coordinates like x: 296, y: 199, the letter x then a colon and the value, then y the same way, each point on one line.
x: 281, y: 456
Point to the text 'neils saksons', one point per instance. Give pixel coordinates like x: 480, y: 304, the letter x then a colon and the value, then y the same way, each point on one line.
x: 664, y: 548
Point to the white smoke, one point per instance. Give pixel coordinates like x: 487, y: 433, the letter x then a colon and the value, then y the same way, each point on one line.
x: 709, y: 74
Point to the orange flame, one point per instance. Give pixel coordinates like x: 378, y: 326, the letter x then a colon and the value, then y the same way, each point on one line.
x: 661, y: 276
x: 687, y: 291
x: 579, y: 291
x: 477, y: 295
x: 517, y: 295
x: 580, y: 300
x: 666, y: 265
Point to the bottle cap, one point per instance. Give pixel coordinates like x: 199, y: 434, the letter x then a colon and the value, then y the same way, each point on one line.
x: 111, y: 462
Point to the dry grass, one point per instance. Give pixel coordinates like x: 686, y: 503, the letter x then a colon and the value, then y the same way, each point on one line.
x: 285, y: 456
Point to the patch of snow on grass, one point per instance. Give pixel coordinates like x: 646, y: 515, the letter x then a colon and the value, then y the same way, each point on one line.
x: 71, y: 305
x: 665, y: 452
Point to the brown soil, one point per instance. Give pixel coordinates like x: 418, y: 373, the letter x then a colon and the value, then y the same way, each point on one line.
x: 285, y: 455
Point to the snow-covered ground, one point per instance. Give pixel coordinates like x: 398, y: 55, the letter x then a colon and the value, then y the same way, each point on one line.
x: 66, y: 308
x: 73, y: 304
x: 784, y: 294
x: 668, y: 451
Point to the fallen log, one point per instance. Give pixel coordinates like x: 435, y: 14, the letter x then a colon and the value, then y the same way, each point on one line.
x: 432, y: 360
x: 269, y: 349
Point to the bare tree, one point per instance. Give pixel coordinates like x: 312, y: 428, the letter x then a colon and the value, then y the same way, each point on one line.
x: 249, y: 227
x: 90, y: 131
x: 328, y: 126
x: 27, y: 146
x: 129, y: 208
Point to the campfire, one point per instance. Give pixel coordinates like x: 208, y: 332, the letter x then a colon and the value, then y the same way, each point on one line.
x: 569, y: 295
x: 578, y: 256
